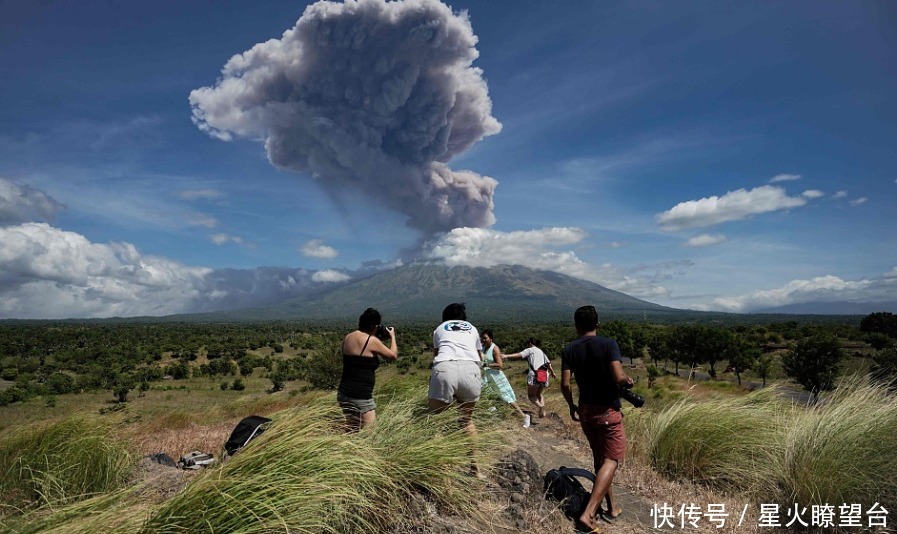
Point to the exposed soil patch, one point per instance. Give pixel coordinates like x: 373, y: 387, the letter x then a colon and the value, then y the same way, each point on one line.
x: 158, y: 482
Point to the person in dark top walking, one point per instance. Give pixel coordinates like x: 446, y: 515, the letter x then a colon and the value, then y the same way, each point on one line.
x: 596, y: 363
x: 356, y: 386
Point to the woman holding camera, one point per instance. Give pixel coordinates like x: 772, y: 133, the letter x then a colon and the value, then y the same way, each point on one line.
x: 360, y: 350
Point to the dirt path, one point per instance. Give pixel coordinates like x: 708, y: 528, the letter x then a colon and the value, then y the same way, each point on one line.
x: 554, y: 442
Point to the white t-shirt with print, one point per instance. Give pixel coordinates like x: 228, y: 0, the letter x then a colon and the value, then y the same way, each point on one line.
x: 456, y: 340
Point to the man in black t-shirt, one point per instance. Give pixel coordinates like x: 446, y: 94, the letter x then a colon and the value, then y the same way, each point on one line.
x: 596, y: 363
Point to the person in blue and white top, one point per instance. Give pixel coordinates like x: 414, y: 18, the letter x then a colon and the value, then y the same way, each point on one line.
x: 493, y: 376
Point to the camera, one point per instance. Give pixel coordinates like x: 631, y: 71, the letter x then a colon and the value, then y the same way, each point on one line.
x: 382, y: 333
x: 631, y: 397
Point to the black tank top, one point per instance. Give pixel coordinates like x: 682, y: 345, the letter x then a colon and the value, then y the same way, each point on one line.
x: 357, y: 381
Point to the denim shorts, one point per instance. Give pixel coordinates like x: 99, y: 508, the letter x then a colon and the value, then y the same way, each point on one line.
x: 359, y: 406
x: 455, y: 379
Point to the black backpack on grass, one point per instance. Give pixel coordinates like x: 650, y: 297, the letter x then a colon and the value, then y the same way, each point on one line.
x: 247, y: 429
x: 561, y: 485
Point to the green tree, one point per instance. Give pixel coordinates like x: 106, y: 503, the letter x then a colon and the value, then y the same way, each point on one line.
x: 324, y: 370
x: 884, y: 367
x: 621, y: 332
x: 814, y: 363
x: 711, y: 345
x: 763, y: 366
x: 742, y: 355
x: 122, y: 385
x: 879, y: 341
x: 60, y: 383
x: 278, y: 381
x: 657, y: 346
x: 881, y: 322
x: 653, y: 373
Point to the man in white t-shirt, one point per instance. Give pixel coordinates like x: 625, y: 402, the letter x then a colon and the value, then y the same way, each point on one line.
x: 455, y: 375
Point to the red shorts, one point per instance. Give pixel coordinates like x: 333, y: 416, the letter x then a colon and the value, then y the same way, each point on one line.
x: 603, y: 428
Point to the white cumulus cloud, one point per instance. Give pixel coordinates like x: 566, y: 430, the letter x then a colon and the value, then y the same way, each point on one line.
x: 536, y: 249
x: 784, y: 178
x: 222, y: 238
x: 317, y: 249
x: 732, y: 206
x: 50, y: 273
x: 202, y: 219
x: 330, y: 275
x: 813, y: 193
x: 858, y: 201
x: 705, y: 240
x: 826, y: 288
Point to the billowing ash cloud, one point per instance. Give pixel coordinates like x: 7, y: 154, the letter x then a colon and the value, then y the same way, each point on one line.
x: 369, y: 95
x: 21, y: 203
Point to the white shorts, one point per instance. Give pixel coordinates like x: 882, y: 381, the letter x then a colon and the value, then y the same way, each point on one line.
x: 455, y: 380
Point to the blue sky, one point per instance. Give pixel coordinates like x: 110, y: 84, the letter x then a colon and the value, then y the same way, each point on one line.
x: 704, y: 155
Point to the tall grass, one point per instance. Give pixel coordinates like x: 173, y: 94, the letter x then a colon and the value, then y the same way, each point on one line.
x: 726, y: 444
x: 61, y: 462
x: 119, y: 511
x: 842, y: 450
x: 305, y: 474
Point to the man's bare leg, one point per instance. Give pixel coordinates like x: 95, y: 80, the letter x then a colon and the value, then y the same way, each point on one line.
x: 603, y: 479
x: 612, y: 510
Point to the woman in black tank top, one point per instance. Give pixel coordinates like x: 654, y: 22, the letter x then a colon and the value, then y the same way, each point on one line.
x: 360, y: 350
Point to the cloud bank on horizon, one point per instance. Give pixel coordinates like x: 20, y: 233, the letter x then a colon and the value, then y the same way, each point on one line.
x: 369, y: 96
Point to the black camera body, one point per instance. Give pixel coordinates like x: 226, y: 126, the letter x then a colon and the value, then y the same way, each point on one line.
x: 382, y: 333
x: 631, y: 397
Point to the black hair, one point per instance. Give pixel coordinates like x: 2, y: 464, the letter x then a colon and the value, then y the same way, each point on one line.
x: 455, y: 311
x: 369, y: 319
x: 585, y: 318
x: 534, y: 342
x: 488, y: 332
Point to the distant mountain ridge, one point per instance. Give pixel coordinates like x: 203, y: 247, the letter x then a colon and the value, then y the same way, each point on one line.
x: 421, y: 291
x: 832, y: 308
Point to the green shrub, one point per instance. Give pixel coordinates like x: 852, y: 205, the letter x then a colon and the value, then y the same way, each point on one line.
x: 324, y: 370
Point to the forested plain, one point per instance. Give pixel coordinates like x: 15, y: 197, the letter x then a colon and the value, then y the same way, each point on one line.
x: 46, y: 359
